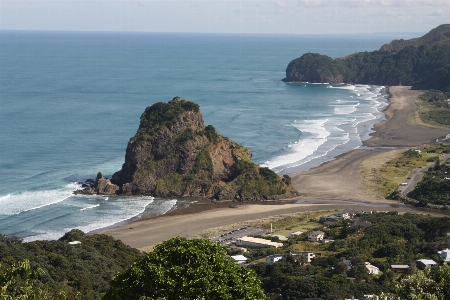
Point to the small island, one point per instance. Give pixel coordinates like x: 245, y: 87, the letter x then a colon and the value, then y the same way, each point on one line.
x: 173, y: 154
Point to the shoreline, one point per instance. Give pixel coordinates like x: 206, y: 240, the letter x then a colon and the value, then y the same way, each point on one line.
x: 332, y: 184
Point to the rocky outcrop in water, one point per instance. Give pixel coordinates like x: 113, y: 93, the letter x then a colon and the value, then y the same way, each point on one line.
x: 101, y: 186
x: 174, y: 154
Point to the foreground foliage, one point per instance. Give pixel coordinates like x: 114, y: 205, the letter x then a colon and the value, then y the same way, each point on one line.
x: 186, y: 269
x: 65, y: 271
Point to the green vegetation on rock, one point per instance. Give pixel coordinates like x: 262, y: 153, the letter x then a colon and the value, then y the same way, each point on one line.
x: 174, y: 154
x: 423, y: 63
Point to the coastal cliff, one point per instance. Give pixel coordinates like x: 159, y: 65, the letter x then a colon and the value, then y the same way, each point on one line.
x: 173, y: 154
x: 423, y: 63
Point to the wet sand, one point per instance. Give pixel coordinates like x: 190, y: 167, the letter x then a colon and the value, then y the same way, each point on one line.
x: 339, y: 179
x: 397, y: 130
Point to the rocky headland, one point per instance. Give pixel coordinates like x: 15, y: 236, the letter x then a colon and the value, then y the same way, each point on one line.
x: 423, y: 63
x: 173, y: 154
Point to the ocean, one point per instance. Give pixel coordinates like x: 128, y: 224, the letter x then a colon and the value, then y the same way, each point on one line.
x: 70, y: 101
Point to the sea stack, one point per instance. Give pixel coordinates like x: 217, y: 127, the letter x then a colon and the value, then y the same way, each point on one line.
x: 173, y: 154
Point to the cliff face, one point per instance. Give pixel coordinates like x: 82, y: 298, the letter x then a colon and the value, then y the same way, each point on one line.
x: 423, y: 63
x: 174, y: 154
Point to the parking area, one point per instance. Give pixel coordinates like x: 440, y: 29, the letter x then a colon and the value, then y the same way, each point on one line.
x: 231, y: 236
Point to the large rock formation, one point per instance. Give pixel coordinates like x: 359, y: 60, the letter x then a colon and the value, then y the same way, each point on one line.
x: 423, y: 63
x: 174, y: 154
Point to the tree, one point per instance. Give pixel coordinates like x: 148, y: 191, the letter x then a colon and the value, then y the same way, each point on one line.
x: 424, y: 285
x: 186, y: 269
x: 18, y: 282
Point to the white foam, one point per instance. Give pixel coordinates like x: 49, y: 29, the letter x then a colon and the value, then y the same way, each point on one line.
x: 5, y: 197
x: 89, y: 207
x: 346, y: 128
x: 345, y: 87
x: 345, y: 109
x: 314, y: 133
x: 17, y: 203
x: 115, y: 211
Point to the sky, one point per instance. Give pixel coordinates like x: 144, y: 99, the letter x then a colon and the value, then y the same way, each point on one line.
x: 276, y: 17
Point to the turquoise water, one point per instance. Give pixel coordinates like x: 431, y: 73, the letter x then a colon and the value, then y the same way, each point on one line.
x: 70, y: 102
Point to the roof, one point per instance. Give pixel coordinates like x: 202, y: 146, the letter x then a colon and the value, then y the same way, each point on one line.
x: 399, y: 266
x: 296, y: 232
x: 260, y: 241
x: 427, y: 261
x: 239, y: 257
x: 444, y: 251
x: 75, y: 243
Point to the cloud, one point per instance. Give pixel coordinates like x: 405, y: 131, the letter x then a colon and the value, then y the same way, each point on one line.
x: 281, y: 3
x: 438, y: 13
x: 311, y: 2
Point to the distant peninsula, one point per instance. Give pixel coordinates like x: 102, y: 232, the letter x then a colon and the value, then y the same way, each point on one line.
x: 173, y: 154
x: 423, y: 63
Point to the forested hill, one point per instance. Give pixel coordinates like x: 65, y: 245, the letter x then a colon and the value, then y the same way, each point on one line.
x: 423, y: 63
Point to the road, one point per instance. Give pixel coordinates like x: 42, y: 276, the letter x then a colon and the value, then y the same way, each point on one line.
x: 416, y: 175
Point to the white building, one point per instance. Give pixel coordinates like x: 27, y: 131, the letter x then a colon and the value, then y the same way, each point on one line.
x: 445, y: 255
x: 309, y: 255
x: 273, y: 258
x: 315, y: 236
x: 294, y: 234
x: 343, y: 215
x: 239, y: 259
x: 425, y: 263
x: 372, y: 269
x: 251, y: 242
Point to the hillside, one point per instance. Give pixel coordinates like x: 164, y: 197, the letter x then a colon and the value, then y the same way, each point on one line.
x: 173, y: 154
x: 423, y: 63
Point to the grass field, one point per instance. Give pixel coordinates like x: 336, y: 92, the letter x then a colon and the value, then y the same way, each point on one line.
x: 383, y: 173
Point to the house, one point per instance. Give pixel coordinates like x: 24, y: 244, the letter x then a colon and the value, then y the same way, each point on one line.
x: 425, y: 263
x: 309, y: 255
x: 364, y: 224
x: 372, y: 269
x: 343, y: 215
x: 326, y: 219
x: 271, y: 259
x: 239, y: 259
x: 351, y: 213
x: 252, y: 242
x: 399, y: 268
x: 418, y: 152
x: 294, y: 234
x: 445, y: 255
x: 316, y: 236
x: 348, y: 262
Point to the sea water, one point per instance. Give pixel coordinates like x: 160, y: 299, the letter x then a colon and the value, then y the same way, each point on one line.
x: 70, y: 101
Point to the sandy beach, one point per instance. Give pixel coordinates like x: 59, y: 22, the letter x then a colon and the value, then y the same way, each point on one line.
x: 323, y: 186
